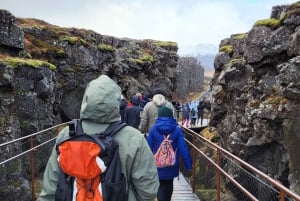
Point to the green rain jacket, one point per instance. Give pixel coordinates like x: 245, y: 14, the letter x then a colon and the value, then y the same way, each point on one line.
x: 100, y: 106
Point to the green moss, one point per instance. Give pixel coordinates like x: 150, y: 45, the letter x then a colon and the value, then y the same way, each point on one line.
x: 240, y: 36
x: 226, y: 48
x: 24, y: 54
x: 37, y: 27
x: 84, y: 42
x: 60, y: 52
x: 146, y: 57
x: 71, y: 39
x: 106, y: 48
x: 272, y: 23
x: 206, y: 194
x: 15, y: 62
x: 165, y: 44
x: 139, y: 61
x: 236, y: 61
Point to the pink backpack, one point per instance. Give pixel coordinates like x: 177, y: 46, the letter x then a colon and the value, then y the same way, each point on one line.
x: 165, y: 155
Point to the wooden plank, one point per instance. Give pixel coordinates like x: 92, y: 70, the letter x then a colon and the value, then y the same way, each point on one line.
x: 182, y: 190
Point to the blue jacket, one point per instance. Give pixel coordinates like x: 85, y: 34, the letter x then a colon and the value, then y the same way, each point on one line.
x: 165, y: 126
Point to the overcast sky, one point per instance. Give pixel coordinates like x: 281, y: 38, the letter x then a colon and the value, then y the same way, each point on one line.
x: 187, y: 22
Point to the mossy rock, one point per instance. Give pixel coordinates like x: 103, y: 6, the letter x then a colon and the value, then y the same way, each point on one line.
x: 106, y: 48
x: 15, y: 62
x: 146, y: 57
x: 236, y: 61
x: 210, y: 134
x: 240, y: 36
x: 165, y: 44
x: 206, y: 194
x: 71, y: 39
x: 271, y: 22
x: 60, y: 53
x: 24, y: 54
x: 226, y: 48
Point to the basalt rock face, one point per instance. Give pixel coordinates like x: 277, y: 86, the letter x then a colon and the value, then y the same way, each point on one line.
x: 256, y: 95
x: 190, y: 76
x: 44, y: 70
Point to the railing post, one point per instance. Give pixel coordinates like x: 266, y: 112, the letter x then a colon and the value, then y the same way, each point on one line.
x: 32, y: 170
x: 218, y: 176
x: 281, y: 195
x: 194, y: 164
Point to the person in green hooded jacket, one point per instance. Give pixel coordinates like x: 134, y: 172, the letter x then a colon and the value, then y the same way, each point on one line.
x: 99, y: 108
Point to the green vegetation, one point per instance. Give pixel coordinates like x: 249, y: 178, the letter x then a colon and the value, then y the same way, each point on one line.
x: 272, y: 23
x: 60, y: 52
x: 206, y: 194
x: 240, y: 36
x: 165, y: 44
x: 106, y: 48
x: 24, y: 54
x: 226, y: 48
x: 71, y: 39
x: 236, y: 61
x: 15, y: 62
x: 144, y: 57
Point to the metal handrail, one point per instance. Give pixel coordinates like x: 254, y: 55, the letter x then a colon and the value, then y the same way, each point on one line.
x: 282, y: 189
x: 34, y: 134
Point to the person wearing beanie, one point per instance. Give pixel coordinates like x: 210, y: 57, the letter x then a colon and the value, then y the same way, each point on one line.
x: 165, y: 125
x: 164, y: 111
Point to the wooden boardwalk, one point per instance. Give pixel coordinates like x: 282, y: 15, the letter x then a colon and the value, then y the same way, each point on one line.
x: 182, y: 190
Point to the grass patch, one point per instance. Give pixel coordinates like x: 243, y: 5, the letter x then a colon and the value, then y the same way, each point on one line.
x: 34, y: 63
x: 226, y: 48
x: 165, y: 44
x: 272, y: 23
x: 71, y: 39
x: 106, y: 48
x: 240, y: 36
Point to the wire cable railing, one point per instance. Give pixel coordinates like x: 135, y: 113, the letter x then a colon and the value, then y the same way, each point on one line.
x: 233, y: 175
x: 22, y: 162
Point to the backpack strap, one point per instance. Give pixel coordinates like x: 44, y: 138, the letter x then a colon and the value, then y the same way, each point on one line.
x: 113, y: 128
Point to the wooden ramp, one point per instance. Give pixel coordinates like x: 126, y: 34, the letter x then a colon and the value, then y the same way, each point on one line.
x: 182, y: 190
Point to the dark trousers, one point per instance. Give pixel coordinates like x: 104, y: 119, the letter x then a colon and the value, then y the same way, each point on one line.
x: 165, y: 190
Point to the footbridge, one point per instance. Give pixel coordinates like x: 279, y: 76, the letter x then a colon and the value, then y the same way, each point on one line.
x: 217, y: 174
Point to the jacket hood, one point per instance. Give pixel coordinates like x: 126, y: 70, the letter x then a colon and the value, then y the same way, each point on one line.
x: 165, y: 125
x: 135, y: 100
x: 159, y: 99
x: 101, y: 101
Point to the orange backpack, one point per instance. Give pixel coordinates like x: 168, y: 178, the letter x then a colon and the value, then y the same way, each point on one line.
x: 90, y: 166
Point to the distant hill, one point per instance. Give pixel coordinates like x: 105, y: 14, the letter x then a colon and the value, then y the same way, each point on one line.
x: 204, y: 53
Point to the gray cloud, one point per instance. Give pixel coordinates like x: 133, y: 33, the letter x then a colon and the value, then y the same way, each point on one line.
x: 186, y: 22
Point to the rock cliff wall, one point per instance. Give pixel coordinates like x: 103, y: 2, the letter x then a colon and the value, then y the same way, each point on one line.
x: 190, y: 77
x: 256, y: 94
x: 44, y: 70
